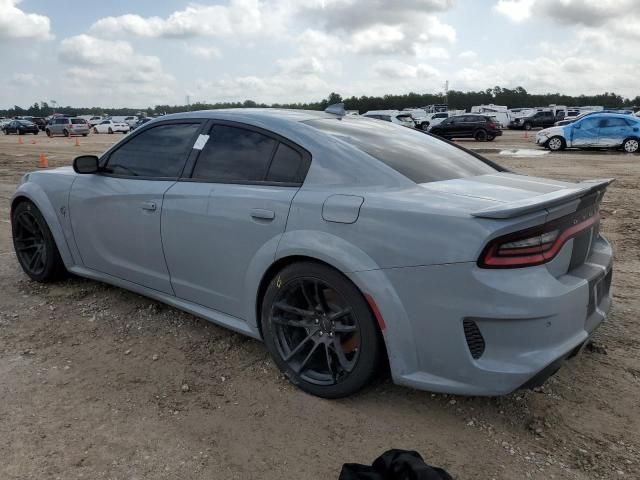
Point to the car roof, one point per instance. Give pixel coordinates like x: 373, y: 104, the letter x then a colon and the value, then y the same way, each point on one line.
x: 291, y: 115
x: 385, y: 112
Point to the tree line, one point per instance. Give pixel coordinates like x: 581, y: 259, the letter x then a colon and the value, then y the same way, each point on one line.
x: 457, y: 100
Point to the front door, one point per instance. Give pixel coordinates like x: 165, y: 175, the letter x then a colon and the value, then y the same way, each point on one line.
x: 115, y: 214
x: 585, y: 133
x: 223, y: 224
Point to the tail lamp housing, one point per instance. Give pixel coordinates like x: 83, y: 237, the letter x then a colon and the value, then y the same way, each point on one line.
x: 537, y: 245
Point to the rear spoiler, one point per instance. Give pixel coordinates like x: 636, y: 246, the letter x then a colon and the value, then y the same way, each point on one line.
x: 547, y: 200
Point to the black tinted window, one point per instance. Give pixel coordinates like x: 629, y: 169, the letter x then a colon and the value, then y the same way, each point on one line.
x: 234, y: 154
x: 160, y: 151
x: 419, y: 157
x: 287, y: 166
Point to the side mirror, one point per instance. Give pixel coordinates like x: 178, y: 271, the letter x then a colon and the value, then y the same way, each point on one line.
x: 86, y: 164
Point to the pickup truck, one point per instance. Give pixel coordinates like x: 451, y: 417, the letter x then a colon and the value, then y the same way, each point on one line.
x: 543, y: 119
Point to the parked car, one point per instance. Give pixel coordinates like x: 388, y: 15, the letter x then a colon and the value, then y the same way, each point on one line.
x: 436, y: 118
x: 480, y: 127
x: 95, y: 120
x: 131, y: 121
x: 141, y: 122
x: 393, y: 116
x: 419, y: 117
x: 332, y: 239
x: 40, y: 122
x: 67, y: 127
x: 601, y: 130
x: 542, y: 119
x: 567, y: 121
x: 20, y: 127
x: 111, y: 126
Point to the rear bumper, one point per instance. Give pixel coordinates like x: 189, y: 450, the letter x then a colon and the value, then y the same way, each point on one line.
x: 529, y: 322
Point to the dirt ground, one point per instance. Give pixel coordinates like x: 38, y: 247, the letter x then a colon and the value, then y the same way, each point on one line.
x: 100, y: 383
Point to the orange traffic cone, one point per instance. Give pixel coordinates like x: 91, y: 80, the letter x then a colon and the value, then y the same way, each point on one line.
x: 77, y: 142
x: 44, y: 161
x: 20, y: 141
x: 526, y: 134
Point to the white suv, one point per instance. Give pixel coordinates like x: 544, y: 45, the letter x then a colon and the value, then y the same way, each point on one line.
x: 393, y: 116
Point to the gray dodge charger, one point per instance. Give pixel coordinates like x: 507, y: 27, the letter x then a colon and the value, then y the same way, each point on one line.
x: 345, y: 244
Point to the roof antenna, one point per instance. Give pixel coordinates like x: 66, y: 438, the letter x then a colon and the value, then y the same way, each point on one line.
x: 336, y: 109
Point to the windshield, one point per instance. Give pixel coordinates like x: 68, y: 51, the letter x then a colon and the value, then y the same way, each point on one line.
x: 416, y: 155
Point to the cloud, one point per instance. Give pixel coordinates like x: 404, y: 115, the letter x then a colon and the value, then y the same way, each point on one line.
x: 112, y: 70
x: 206, y: 53
x: 396, y: 69
x: 587, y: 12
x: 517, y: 10
x: 468, y: 55
x: 14, y: 23
x: 24, y: 79
x: 240, y: 17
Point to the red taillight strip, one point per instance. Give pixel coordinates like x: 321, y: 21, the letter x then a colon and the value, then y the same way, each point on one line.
x: 490, y: 259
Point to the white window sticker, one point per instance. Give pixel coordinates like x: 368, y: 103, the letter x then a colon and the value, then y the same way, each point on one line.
x: 201, y: 141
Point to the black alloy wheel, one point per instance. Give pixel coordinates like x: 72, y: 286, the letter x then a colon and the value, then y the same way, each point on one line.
x: 34, y: 244
x: 320, y: 330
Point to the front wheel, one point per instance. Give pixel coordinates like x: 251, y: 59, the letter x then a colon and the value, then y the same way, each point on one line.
x: 34, y: 244
x: 48, y: 132
x: 556, y: 144
x: 527, y: 126
x: 425, y: 127
x: 110, y: 130
x: 631, y: 145
x: 320, y: 330
x: 491, y: 138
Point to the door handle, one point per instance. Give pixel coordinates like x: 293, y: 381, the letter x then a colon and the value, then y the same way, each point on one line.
x: 150, y: 206
x: 263, y: 214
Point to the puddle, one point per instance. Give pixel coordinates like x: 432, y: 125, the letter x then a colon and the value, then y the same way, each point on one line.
x: 524, y: 152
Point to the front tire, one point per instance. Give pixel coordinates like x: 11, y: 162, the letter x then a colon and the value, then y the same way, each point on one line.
x: 425, y: 127
x: 527, y: 126
x: 555, y: 144
x: 110, y: 130
x: 320, y: 331
x: 631, y: 145
x: 34, y: 245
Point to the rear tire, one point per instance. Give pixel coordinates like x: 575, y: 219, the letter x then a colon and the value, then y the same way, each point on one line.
x: 320, y: 330
x: 527, y: 126
x: 631, y: 145
x: 33, y: 242
x: 48, y: 132
x: 491, y: 138
x: 481, y: 136
x: 110, y: 130
x: 65, y: 132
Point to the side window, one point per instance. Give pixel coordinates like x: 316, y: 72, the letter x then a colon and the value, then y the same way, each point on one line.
x: 234, y: 155
x: 288, y: 166
x: 589, y: 123
x: 613, y: 122
x: 160, y: 151
x: 386, y: 118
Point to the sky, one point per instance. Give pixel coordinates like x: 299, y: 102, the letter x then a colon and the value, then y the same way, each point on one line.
x: 143, y: 53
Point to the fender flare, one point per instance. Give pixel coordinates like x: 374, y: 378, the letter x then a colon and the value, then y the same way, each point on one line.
x: 34, y: 193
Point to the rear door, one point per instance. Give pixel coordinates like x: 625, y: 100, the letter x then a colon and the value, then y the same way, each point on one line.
x: 115, y: 215
x: 228, y: 216
x: 613, y: 132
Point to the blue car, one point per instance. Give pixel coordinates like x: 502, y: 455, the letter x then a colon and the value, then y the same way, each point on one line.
x: 604, y: 130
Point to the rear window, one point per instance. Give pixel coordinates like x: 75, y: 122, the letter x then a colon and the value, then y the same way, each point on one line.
x: 78, y: 121
x: 416, y: 155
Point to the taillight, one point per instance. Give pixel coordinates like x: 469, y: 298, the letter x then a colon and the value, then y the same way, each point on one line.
x: 538, y: 245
